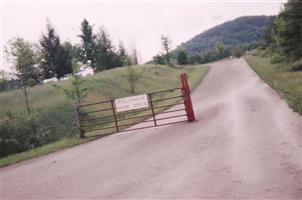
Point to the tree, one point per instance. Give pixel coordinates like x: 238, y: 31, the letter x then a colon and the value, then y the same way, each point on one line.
x: 76, y: 92
x: 237, y: 52
x: 133, y: 74
x: 104, y: 51
x: 24, y: 58
x: 64, y: 59
x: 56, y: 60
x: 219, y: 47
x: 134, y: 57
x: 182, y: 57
x: 124, y: 57
x: 50, y: 45
x: 88, y: 44
x: 159, y: 59
x: 166, y: 45
x: 287, y: 30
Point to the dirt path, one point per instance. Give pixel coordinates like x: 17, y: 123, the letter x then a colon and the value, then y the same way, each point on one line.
x: 245, y: 144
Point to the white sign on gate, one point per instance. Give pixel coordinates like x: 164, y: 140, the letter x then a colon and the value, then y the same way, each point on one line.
x: 131, y: 103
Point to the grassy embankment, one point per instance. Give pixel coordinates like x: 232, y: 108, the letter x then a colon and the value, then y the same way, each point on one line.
x: 55, y: 112
x: 279, y: 76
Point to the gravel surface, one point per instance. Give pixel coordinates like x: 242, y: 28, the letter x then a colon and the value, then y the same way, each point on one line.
x: 245, y: 144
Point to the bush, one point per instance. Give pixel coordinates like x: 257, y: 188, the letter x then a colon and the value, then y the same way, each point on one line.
x: 297, y: 66
x: 19, y: 133
x: 276, y: 58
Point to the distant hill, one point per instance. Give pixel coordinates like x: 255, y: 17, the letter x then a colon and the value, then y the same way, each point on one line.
x: 245, y: 31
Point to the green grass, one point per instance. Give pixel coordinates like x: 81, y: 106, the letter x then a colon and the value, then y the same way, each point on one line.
x: 104, y: 85
x: 287, y: 83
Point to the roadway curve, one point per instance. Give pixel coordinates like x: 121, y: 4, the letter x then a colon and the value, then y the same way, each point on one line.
x: 245, y: 144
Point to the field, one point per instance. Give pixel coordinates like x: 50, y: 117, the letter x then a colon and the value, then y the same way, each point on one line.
x: 287, y: 83
x: 52, y: 118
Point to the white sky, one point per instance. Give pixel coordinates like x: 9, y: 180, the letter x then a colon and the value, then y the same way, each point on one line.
x: 138, y: 24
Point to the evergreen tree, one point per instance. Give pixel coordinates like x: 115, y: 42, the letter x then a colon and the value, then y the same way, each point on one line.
x: 104, y: 51
x: 53, y: 55
x: 50, y: 44
x: 88, y: 44
x: 123, y: 56
x: 64, y: 59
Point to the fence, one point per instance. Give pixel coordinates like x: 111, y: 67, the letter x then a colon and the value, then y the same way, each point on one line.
x: 149, y: 110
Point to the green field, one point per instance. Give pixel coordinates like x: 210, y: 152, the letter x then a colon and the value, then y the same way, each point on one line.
x: 279, y: 76
x: 54, y: 114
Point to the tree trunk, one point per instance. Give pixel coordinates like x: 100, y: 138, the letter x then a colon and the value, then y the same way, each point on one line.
x: 78, y: 121
x: 26, y: 99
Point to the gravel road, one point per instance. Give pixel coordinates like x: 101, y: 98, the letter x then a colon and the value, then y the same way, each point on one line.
x: 247, y: 143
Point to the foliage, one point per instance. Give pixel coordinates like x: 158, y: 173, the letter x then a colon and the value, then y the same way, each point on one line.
x: 56, y: 58
x: 19, y: 133
x: 88, y: 44
x: 133, y: 74
x: 276, y: 58
x: 182, y: 58
x: 159, y: 59
x: 297, y: 65
x: 123, y: 56
x: 237, y: 52
x: 106, y: 57
x: 76, y: 92
x: 24, y: 57
x: 286, y: 31
x: 166, y: 42
x: 287, y: 83
x: 216, y: 43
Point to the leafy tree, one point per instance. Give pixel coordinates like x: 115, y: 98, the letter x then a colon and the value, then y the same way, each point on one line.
x: 88, y: 44
x: 237, y: 52
x: 24, y: 57
x: 287, y: 31
x: 76, y: 92
x: 159, y: 59
x: 133, y: 74
x: 219, y: 46
x: 182, y: 57
x: 166, y: 45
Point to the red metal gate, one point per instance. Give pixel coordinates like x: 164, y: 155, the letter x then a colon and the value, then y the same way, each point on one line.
x: 164, y: 108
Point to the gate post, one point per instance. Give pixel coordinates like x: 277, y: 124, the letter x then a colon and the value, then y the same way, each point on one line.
x: 114, y: 115
x: 79, y: 121
x: 187, y: 97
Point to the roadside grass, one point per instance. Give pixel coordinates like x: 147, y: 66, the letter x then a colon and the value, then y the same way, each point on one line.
x: 287, y: 83
x: 104, y: 85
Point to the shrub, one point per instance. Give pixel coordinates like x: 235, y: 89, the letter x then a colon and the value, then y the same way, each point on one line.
x: 276, y: 58
x: 19, y: 133
x: 297, y: 66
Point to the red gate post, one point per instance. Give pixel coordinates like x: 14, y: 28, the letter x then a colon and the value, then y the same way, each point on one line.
x: 187, y: 97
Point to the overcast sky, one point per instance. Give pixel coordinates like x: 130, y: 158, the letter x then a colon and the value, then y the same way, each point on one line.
x: 137, y: 24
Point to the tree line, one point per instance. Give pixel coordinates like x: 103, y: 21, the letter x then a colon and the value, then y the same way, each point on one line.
x: 283, y: 38
x: 53, y: 58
